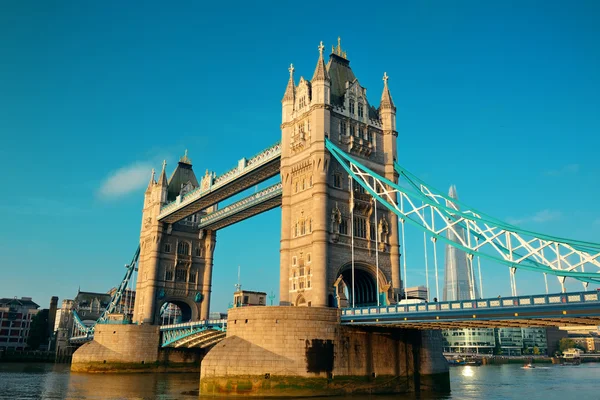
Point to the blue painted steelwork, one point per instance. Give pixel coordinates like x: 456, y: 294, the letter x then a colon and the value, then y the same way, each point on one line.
x: 87, y: 332
x: 533, y: 307
x: 232, y: 210
x: 171, y: 334
x: 505, y: 243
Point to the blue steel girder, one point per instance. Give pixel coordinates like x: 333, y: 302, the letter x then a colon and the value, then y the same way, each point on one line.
x: 248, y: 173
x: 171, y: 334
x: 581, y: 308
x: 250, y: 206
x: 114, y: 301
x: 429, y: 210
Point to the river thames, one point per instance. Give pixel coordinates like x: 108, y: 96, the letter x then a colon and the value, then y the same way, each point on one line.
x: 50, y: 381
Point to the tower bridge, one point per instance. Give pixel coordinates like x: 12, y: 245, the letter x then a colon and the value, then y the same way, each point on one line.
x: 346, y: 202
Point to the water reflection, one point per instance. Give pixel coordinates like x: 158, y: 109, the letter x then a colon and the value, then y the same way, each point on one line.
x: 48, y: 381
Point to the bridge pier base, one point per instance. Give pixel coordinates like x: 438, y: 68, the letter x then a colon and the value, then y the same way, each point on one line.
x: 132, y: 348
x: 304, y: 351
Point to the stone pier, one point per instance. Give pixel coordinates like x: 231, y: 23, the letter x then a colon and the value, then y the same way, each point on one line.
x: 132, y: 348
x: 304, y: 351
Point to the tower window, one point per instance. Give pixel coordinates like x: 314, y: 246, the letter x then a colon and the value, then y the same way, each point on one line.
x: 352, y: 130
x: 373, y: 231
x: 343, y: 128
x: 169, y: 275
x: 360, y: 227
x: 351, y: 107
x: 360, y: 110
x: 183, y: 248
x: 370, y: 136
x: 199, y: 251
x: 193, y: 277
x: 180, y: 275
x: 308, y: 260
x: 167, y: 247
x: 337, y: 180
x: 344, y: 227
x: 294, y: 261
x: 310, y: 225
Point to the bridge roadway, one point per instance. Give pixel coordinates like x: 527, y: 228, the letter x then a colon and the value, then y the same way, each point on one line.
x: 580, y: 308
x: 246, y: 174
x: 250, y: 206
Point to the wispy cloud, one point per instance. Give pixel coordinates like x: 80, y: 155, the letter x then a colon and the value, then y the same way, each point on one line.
x: 566, y: 170
x: 125, y: 180
x: 538, y: 217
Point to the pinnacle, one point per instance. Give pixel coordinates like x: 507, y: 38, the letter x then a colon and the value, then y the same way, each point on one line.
x: 386, y: 97
x: 320, y: 71
x: 290, y: 90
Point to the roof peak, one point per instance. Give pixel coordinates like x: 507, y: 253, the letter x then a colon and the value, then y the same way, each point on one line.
x: 290, y: 89
x: 184, y: 159
x: 338, y: 50
x: 386, y: 97
x: 320, y: 70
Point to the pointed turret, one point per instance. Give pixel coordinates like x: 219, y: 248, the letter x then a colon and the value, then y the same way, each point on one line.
x: 162, y: 179
x: 386, y: 97
x: 289, y: 98
x: 162, y: 183
x: 290, y: 90
x: 152, y: 182
x: 320, y: 70
x: 321, y: 82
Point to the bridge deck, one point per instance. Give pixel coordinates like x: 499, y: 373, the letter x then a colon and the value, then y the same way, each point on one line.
x: 250, y: 206
x: 581, y: 308
x: 248, y: 173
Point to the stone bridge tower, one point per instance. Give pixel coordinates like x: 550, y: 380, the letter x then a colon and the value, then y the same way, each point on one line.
x: 316, y: 202
x: 176, y: 260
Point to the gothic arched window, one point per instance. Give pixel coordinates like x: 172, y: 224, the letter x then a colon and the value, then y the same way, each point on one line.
x: 351, y: 107
x: 360, y: 110
x: 183, y: 248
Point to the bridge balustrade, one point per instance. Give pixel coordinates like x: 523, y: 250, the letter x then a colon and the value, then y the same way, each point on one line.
x: 448, y: 306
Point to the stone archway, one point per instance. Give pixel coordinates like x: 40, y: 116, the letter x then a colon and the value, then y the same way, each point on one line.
x: 176, y: 311
x: 301, y: 301
x: 365, y: 286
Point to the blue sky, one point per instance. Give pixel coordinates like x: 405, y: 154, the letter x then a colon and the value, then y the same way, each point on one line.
x: 500, y: 98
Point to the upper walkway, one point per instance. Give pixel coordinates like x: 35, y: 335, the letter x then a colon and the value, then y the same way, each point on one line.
x: 580, y: 308
x: 246, y: 174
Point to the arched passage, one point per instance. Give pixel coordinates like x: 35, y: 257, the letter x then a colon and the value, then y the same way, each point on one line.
x: 365, y: 287
x: 175, y: 312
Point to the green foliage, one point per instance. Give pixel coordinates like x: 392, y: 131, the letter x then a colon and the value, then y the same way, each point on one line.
x: 536, y: 350
x: 38, y: 331
x: 566, y: 343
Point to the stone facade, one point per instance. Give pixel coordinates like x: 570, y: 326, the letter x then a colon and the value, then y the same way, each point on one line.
x: 132, y: 348
x: 316, y: 202
x: 176, y: 260
x: 290, y: 351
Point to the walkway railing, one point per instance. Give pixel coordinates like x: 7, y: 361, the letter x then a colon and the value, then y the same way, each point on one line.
x: 449, y: 306
x: 244, y: 204
x: 170, y: 334
x: 244, y: 166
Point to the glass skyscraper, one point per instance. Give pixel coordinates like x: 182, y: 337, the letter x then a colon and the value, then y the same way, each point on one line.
x: 459, y: 277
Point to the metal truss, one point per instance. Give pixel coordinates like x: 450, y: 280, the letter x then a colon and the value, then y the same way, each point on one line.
x: 250, y: 206
x: 192, y: 334
x: 559, y: 309
x: 418, y: 204
x: 246, y: 174
x: 82, y: 330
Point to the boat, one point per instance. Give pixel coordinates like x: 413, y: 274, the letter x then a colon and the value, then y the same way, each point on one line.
x: 528, y: 366
x: 571, y: 357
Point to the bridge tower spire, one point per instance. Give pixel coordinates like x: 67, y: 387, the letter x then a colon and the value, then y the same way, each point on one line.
x: 315, y: 261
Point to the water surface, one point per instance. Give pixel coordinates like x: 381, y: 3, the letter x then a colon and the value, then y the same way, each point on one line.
x: 492, y: 382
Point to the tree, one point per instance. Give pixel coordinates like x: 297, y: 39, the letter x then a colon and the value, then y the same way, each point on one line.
x: 566, y: 343
x: 38, y: 331
x: 536, y: 350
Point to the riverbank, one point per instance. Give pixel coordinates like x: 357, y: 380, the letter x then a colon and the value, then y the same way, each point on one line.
x: 27, y: 356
